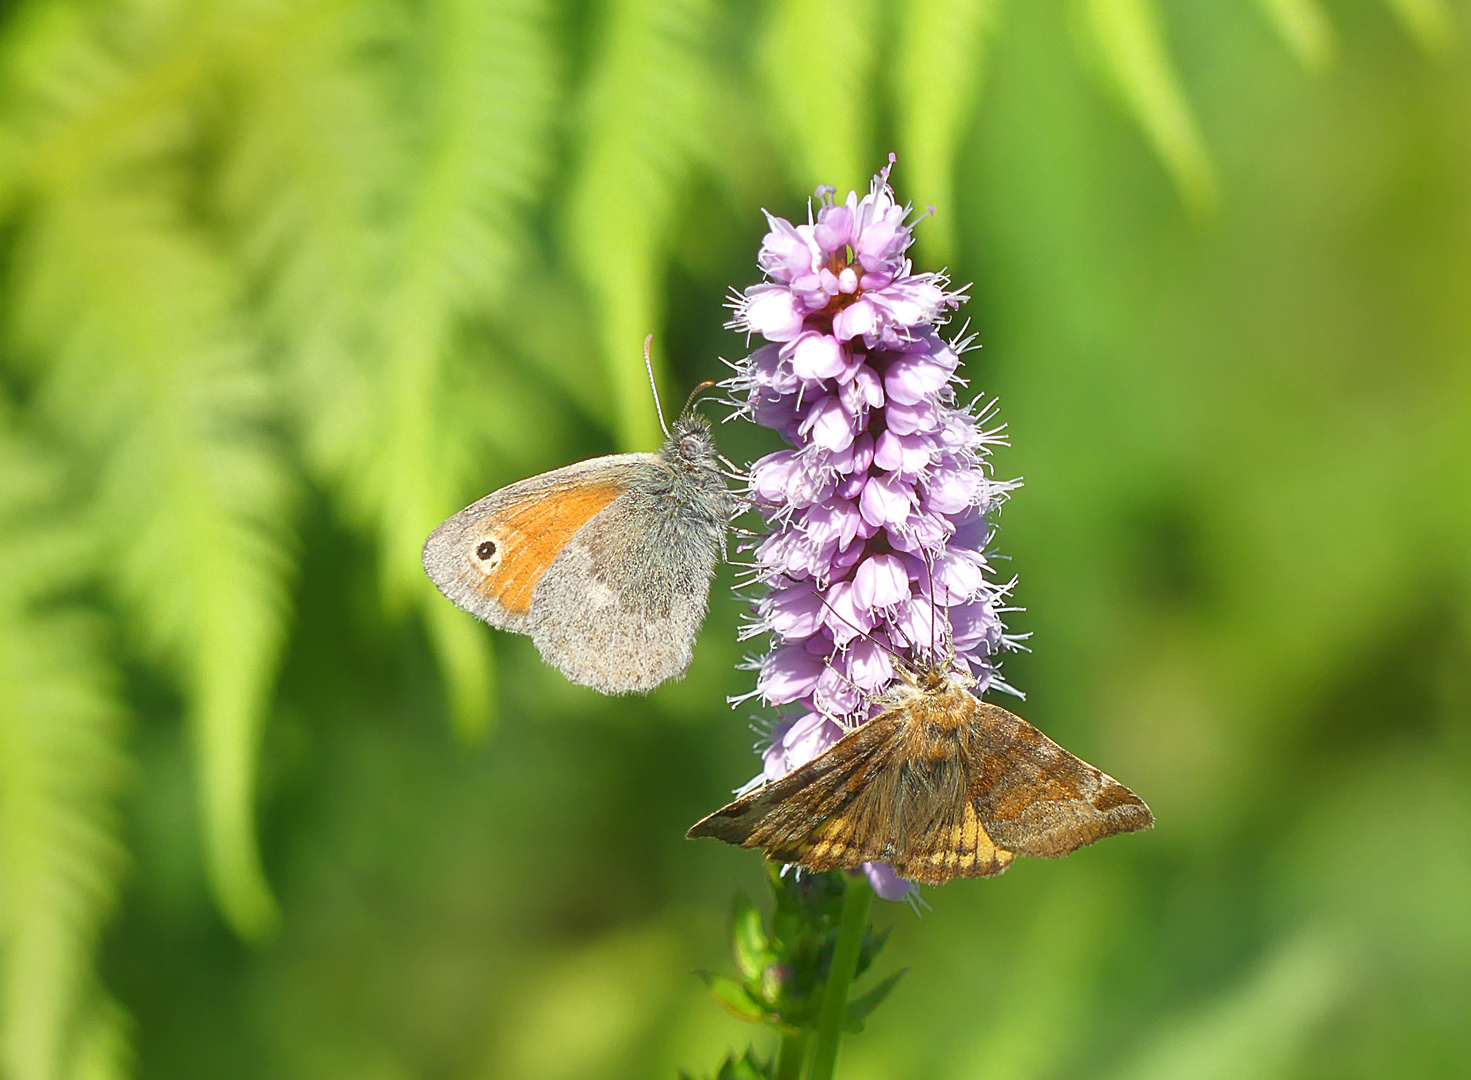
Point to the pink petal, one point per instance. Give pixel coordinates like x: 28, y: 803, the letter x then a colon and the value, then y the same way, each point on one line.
x: 886, y: 500
x: 855, y: 320
x: 773, y: 312
x: 881, y: 582
x: 828, y: 425
x: 818, y: 356
x: 886, y: 884
x: 788, y: 674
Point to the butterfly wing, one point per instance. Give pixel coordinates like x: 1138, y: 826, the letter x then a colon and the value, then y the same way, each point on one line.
x: 831, y: 812
x: 606, y: 564
x: 1034, y: 798
x: 620, y: 608
x: 489, y: 558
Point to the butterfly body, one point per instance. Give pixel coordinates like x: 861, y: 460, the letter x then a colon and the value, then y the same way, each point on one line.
x: 940, y: 785
x: 605, y: 564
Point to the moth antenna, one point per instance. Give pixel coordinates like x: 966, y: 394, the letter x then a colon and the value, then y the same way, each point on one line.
x: 868, y: 699
x: 949, y: 636
x: 864, y: 634
x: 649, y: 367
x: 929, y: 568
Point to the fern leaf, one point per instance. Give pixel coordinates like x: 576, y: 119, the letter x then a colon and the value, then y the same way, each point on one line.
x: 61, y: 766
x: 823, y: 110
x: 644, y: 125
x: 939, y: 67
x: 1303, y: 25
x: 371, y: 305
x: 144, y: 366
x: 1131, y: 43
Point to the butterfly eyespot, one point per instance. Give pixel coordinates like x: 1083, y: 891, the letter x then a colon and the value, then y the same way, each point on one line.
x: 486, y: 550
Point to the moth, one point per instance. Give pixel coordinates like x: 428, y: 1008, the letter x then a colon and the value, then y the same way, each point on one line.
x: 606, y: 564
x: 940, y: 785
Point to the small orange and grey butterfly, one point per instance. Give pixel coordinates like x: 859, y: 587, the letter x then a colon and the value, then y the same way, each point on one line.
x: 939, y: 785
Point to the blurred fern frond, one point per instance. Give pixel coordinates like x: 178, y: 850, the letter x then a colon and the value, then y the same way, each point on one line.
x: 645, y: 117
x: 941, y: 60
x: 145, y: 366
x: 61, y: 766
x: 823, y: 114
x: 1130, y: 39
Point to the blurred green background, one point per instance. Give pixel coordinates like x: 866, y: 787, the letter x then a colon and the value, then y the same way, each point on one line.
x: 287, y: 281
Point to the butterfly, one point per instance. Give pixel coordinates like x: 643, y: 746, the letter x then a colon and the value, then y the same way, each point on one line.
x: 940, y: 785
x: 606, y: 564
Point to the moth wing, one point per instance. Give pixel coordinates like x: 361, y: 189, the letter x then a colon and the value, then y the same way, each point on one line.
x: 620, y: 608
x: 955, y: 844
x: 826, y: 814
x: 529, y: 524
x: 1034, y: 798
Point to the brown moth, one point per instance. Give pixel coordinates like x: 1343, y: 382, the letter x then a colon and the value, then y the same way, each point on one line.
x: 939, y: 785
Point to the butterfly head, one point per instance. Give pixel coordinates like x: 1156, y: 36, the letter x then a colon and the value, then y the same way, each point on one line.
x: 691, y: 442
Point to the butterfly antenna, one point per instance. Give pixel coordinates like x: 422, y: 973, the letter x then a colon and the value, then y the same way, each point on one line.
x: 649, y: 367
x: 696, y: 392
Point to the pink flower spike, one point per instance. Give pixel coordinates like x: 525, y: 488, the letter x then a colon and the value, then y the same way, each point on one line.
x: 879, y: 511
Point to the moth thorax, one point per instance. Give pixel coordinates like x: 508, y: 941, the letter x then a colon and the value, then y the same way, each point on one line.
x: 942, y: 711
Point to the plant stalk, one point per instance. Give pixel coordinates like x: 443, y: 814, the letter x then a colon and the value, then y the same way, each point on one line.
x: 790, y: 1055
x: 856, y: 902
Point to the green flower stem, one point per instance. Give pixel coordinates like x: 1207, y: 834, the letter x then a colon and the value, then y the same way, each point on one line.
x: 790, y: 1055
x: 856, y: 902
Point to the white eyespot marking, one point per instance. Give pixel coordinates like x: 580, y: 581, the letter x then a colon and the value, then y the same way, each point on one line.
x: 486, y: 556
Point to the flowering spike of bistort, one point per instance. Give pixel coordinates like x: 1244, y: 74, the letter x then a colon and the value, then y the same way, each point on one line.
x: 879, y: 513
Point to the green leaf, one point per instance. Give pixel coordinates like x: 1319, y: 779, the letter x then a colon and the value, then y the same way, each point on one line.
x: 146, y: 367
x: 645, y: 122
x: 746, y: 1067
x: 1131, y: 43
x: 873, y: 944
x: 734, y: 998
x: 459, y: 157
x: 823, y: 111
x: 865, y: 1003
x: 941, y: 59
x: 748, y: 937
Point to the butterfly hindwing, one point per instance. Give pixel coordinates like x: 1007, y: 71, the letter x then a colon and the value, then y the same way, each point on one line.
x: 621, y: 606
x: 1035, y: 798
